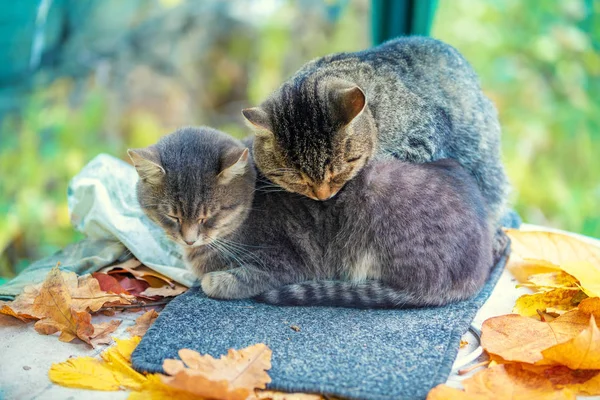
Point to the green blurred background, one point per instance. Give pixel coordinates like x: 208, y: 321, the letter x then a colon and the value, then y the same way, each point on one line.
x: 85, y: 77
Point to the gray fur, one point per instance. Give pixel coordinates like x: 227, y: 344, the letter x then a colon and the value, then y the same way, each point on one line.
x: 423, y: 103
x: 398, y: 235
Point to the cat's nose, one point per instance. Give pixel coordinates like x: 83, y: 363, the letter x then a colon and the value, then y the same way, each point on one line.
x: 322, y: 191
x: 189, y: 242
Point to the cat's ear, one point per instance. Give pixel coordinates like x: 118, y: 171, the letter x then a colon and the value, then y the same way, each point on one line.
x: 147, y: 163
x: 351, y: 101
x: 258, y: 119
x: 238, y: 168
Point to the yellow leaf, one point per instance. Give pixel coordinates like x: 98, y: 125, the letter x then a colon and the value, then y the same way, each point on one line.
x: 122, y: 370
x: 551, y: 280
x: 125, y: 347
x: 84, y: 373
x: 555, y: 248
x: 113, y: 372
x: 587, y: 274
x: 155, y: 389
x: 501, y: 382
x: 559, y: 299
x: 581, y: 352
x: 523, y: 269
x: 591, y: 306
x: 142, y: 323
x: 231, y: 377
x: 514, y: 338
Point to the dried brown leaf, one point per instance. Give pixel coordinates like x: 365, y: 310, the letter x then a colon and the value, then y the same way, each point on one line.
x: 514, y: 338
x: 232, y: 377
x: 501, y: 382
x: 581, y: 352
x: 142, y: 323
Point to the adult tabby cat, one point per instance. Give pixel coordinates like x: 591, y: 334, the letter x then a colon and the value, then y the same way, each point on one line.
x: 414, y: 99
x: 399, y: 234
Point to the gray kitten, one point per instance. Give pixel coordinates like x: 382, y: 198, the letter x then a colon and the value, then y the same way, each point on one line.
x: 397, y: 235
x: 414, y: 99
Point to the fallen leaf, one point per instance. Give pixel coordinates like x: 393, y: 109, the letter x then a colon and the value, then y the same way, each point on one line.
x: 590, y: 306
x: 165, y: 291
x: 588, y: 275
x: 501, y: 382
x: 555, y: 248
x: 271, y: 395
x: 87, y: 295
x: 514, y: 338
x: 559, y: 299
x: 463, y: 343
x: 581, y: 352
x: 54, y: 302
x: 523, y: 269
x: 139, y: 271
x: 22, y: 306
x: 102, y: 332
x: 231, y: 377
x: 113, y: 372
x: 155, y: 389
x: 579, y: 381
x: 109, y: 283
x: 142, y: 323
x: 133, y: 286
x: 84, y: 373
x: 551, y: 280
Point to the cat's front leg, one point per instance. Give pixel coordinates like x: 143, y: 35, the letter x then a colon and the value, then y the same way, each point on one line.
x: 240, y: 283
x: 201, y: 260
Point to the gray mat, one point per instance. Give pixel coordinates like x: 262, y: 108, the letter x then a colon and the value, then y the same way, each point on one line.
x: 365, y: 354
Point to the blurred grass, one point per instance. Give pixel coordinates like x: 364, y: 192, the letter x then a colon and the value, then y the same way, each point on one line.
x: 538, y: 62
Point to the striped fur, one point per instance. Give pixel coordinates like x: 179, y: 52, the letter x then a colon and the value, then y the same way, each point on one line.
x: 398, y: 235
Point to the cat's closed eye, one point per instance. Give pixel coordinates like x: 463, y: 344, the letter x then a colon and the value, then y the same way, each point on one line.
x: 353, y: 159
x: 174, y: 218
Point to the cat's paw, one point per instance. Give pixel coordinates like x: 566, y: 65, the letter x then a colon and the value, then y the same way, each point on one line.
x: 220, y: 285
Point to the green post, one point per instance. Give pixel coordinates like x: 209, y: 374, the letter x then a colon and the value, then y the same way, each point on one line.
x: 393, y: 18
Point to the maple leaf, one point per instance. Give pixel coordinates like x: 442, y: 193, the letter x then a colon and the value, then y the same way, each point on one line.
x: 587, y: 274
x: 550, y: 247
x: 231, y: 377
x: 142, y: 323
x: 581, y: 352
x: 503, y: 382
x: 514, y: 338
x: 590, y: 306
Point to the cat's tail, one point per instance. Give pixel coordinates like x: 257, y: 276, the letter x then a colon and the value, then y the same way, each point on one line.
x: 368, y: 294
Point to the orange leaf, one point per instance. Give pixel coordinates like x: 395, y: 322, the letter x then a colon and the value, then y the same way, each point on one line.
x: 103, y: 331
x: 581, y: 352
x: 579, y: 381
x: 590, y: 306
x: 519, y: 339
x: 231, y: 377
x: 54, y: 302
x: 142, y: 323
x: 22, y: 306
x: 87, y: 295
x: 509, y: 382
